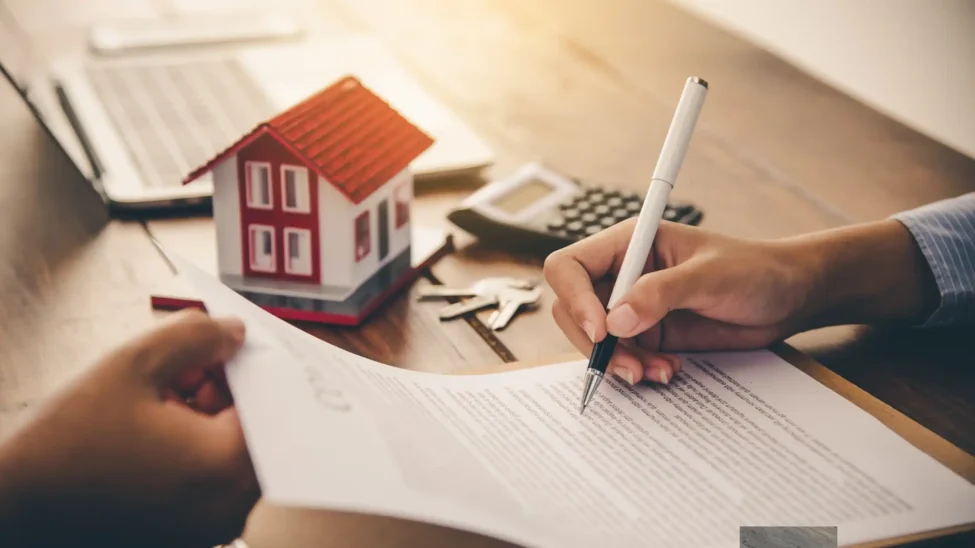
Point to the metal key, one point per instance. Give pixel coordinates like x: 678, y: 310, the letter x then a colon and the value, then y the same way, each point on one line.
x: 486, y: 286
x: 510, y: 302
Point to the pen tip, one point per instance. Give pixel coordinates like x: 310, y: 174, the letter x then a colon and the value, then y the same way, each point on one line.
x: 582, y: 409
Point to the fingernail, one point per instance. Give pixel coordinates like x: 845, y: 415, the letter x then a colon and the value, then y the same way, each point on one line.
x: 622, y: 321
x: 236, y: 328
x: 657, y: 375
x: 590, y: 330
x: 624, y: 374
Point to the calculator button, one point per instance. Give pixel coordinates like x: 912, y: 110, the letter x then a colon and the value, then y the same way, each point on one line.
x: 597, y: 196
x: 584, y: 205
x: 602, y: 210
x: 634, y: 206
x: 592, y: 229
x: 574, y: 227
x: 588, y: 218
x: 614, y: 201
x: 557, y: 224
x: 622, y: 214
x: 608, y: 221
x: 570, y: 214
x: 671, y: 214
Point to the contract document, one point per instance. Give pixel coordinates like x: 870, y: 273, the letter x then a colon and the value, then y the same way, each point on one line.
x: 735, y: 439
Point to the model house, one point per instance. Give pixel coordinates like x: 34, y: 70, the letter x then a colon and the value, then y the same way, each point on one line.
x: 316, y: 201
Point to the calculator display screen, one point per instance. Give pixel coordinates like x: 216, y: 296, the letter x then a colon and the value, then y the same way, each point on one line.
x: 523, y: 196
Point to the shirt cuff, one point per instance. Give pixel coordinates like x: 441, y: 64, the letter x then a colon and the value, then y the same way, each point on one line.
x: 945, y: 233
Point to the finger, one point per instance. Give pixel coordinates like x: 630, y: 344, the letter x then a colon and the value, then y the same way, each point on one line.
x: 190, y: 340
x: 570, y: 272
x: 189, y: 381
x: 659, y: 368
x: 573, y: 332
x: 210, y: 399
x: 172, y: 395
x: 226, y: 460
x: 652, y: 297
x: 214, y: 444
x: 219, y: 378
x: 624, y: 364
x: 226, y: 449
x: 676, y: 362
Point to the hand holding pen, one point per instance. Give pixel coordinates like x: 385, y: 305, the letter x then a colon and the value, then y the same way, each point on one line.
x: 698, y: 290
x: 663, y: 180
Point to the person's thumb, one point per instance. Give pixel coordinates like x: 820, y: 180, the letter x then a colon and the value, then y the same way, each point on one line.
x: 652, y: 297
x: 188, y: 339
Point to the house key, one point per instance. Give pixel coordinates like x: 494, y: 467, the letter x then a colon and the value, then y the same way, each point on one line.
x: 483, y: 294
x: 484, y: 287
x: 510, y: 302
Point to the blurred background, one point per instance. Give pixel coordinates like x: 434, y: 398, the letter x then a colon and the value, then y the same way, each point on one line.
x: 913, y: 60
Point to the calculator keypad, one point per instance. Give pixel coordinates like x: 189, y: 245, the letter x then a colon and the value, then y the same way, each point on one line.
x: 595, y: 209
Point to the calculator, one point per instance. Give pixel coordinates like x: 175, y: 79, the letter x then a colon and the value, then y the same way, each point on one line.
x: 539, y: 209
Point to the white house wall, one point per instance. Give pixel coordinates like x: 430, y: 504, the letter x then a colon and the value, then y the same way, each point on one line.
x: 226, y: 216
x: 399, y: 238
x: 337, y: 238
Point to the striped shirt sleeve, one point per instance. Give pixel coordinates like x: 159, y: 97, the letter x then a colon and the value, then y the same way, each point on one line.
x: 945, y: 232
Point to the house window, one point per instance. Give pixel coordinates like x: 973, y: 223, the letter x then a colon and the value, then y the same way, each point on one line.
x: 402, y: 201
x: 297, y: 251
x: 362, y: 241
x: 259, y: 185
x: 262, y: 248
x: 294, y: 189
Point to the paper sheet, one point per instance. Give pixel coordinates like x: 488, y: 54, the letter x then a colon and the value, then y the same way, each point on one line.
x: 735, y: 439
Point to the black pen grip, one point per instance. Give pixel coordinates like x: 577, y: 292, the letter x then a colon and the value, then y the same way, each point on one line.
x: 602, y: 352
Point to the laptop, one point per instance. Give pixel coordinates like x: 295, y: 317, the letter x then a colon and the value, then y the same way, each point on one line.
x: 136, y: 125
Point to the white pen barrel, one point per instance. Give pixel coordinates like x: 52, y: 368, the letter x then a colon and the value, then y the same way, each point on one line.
x: 664, y: 177
x: 643, y: 234
x: 681, y: 129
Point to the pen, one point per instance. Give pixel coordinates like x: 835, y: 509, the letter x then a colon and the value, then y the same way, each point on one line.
x: 664, y: 176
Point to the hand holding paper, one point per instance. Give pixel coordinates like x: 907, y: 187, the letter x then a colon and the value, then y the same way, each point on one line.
x: 140, y: 449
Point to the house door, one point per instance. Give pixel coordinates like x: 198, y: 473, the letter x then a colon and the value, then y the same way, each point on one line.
x: 383, y: 229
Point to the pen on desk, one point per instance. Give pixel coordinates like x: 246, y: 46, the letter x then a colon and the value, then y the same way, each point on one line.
x: 664, y: 176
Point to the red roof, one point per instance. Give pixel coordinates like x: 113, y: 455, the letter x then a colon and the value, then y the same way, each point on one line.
x: 347, y: 133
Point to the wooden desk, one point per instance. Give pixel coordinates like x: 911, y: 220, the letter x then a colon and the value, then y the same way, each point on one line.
x: 586, y: 86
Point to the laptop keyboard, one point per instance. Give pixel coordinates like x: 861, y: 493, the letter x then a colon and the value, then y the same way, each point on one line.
x: 174, y: 117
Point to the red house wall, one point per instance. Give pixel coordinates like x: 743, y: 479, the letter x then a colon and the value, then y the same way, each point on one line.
x: 267, y: 149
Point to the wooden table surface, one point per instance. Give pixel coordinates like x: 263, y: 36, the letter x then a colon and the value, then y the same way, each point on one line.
x: 588, y: 87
